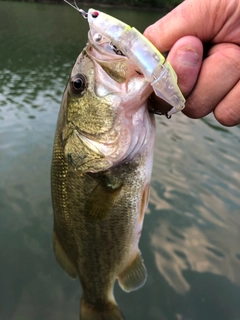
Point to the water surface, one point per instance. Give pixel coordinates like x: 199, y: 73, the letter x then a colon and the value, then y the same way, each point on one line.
x: 190, y: 242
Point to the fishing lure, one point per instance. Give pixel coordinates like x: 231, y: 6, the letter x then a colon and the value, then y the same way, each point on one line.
x: 128, y: 41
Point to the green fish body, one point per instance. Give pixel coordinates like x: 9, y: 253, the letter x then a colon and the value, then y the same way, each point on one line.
x: 101, y: 169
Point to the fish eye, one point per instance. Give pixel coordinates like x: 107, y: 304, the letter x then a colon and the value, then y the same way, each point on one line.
x: 78, y: 83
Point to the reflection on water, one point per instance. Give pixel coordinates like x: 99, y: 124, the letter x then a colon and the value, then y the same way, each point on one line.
x: 191, y: 236
x: 198, y: 202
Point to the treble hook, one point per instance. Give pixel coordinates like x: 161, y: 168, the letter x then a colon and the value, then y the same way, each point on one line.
x: 84, y: 13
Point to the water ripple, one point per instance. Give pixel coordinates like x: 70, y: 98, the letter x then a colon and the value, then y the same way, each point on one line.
x: 196, y: 200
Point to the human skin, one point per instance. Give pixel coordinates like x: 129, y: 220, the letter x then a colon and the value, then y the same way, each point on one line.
x: 203, y: 41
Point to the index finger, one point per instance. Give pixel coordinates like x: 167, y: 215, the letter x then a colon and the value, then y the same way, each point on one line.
x: 201, y: 19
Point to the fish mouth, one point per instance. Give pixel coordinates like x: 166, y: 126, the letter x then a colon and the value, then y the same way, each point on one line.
x: 116, y: 65
x: 103, y: 45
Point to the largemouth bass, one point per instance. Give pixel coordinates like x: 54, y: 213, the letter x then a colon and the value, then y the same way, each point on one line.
x: 101, y: 169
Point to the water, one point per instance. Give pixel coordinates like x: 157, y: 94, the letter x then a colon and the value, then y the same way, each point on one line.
x: 191, y: 235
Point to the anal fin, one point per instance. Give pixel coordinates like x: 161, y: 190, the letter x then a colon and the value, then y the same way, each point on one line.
x: 134, y: 276
x: 62, y: 257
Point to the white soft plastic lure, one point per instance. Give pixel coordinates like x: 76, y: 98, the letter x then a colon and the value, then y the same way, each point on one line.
x: 128, y: 41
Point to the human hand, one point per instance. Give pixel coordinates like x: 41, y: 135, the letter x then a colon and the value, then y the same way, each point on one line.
x: 209, y: 83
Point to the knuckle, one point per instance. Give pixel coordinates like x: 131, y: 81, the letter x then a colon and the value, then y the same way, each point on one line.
x: 230, y: 54
x: 228, y: 113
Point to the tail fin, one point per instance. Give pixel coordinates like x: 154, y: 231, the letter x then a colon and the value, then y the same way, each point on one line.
x: 107, y: 312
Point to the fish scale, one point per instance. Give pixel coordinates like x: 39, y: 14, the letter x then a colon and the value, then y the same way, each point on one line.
x: 100, y: 179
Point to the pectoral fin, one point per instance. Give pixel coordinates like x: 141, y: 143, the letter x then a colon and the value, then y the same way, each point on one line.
x: 102, y: 200
x: 62, y: 257
x: 134, y: 276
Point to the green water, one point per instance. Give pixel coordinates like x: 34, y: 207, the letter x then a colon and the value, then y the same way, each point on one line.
x: 191, y: 237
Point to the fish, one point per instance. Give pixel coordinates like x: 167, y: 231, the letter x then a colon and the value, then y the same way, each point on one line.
x: 100, y: 176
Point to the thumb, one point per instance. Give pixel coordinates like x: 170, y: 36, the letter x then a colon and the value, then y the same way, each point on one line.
x: 186, y: 59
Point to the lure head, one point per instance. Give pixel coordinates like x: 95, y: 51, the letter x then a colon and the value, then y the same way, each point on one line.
x: 106, y: 25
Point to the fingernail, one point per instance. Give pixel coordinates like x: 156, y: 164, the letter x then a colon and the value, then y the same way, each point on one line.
x: 188, y: 57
